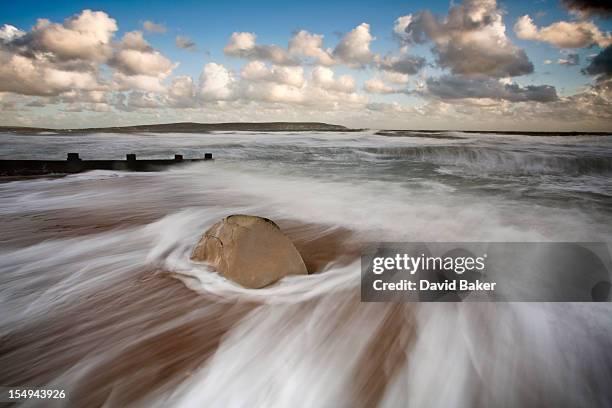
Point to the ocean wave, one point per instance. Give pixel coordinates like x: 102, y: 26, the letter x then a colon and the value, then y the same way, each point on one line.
x: 473, y: 159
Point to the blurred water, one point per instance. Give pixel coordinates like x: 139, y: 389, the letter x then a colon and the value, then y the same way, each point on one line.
x: 92, y: 268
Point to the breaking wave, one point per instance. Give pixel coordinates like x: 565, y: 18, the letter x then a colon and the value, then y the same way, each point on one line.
x: 98, y: 295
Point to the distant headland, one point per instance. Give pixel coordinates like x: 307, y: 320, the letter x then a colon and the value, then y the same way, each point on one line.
x: 192, y: 127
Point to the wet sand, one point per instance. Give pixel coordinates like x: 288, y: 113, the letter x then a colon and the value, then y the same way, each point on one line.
x: 183, y: 328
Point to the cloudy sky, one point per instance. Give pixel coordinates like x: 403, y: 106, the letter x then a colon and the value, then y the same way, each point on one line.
x: 475, y: 64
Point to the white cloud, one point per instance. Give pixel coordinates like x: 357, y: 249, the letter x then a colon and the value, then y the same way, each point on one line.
x: 563, y: 34
x: 135, y: 41
x: 258, y: 71
x: 79, y: 96
x: 289, y: 86
x: 310, y: 45
x: 9, y: 33
x: 85, y: 36
x: 140, y: 65
x: 401, y: 23
x: 243, y: 45
x: 146, y: 100
x: 27, y: 76
x: 136, y: 57
x: 354, y: 48
x: 123, y: 82
x: 182, y: 92
x: 324, y: 78
x: 216, y: 82
x: 377, y: 86
x: 471, y: 40
x: 57, y: 59
x: 272, y: 92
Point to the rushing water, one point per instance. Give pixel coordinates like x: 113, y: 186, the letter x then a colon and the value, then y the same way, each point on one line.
x: 98, y: 296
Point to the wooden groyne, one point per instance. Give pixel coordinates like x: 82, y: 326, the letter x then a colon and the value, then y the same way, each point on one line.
x: 74, y: 164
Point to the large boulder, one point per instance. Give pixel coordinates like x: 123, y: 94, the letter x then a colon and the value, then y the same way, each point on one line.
x: 249, y: 250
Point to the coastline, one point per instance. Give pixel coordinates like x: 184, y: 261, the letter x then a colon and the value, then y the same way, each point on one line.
x: 204, y: 128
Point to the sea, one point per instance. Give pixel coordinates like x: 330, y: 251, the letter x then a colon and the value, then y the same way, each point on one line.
x: 99, y: 298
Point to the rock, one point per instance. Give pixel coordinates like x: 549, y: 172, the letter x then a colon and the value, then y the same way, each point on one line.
x: 249, y: 250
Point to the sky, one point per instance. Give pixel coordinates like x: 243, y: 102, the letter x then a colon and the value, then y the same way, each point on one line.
x: 471, y: 64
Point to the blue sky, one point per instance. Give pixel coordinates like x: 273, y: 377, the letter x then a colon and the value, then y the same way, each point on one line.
x: 210, y: 25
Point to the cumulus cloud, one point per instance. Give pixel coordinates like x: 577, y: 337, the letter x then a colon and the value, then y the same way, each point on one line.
x: 400, y: 26
x: 592, y: 105
x: 128, y: 74
x: 182, y: 92
x: 138, y: 65
x: 53, y: 58
x: 136, y: 57
x: 27, y: 76
x: 136, y: 62
x: 243, y: 45
x: 85, y: 36
x: 304, y: 47
x: 305, y: 44
x: 450, y: 87
x: 354, y: 48
x: 137, y: 100
x: 134, y: 40
x: 471, y: 40
x: 66, y: 59
x: 258, y: 71
x: 289, y: 85
x: 185, y: 43
x: 586, y: 8
x: 81, y: 65
x: 403, y: 64
x: 152, y: 27
x: 8, y: 33
x: 563, y: 34
x: 324, y: 78
x: 324, y: 88
x: 81, y: 96
x: 150, y: 83
x: 263, y: 83
x: 272, y: 92
x: 216, y: 82
x: 377, y: 85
